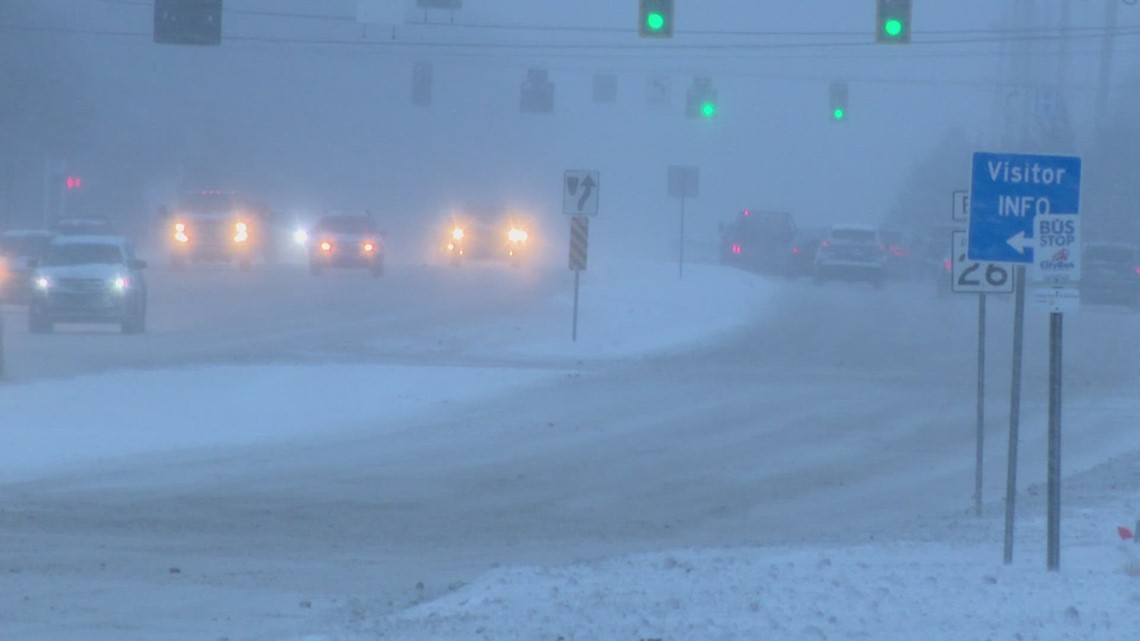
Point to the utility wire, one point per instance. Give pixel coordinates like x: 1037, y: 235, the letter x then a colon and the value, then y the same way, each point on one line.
x: 565, y: 46
x: 538, y: 28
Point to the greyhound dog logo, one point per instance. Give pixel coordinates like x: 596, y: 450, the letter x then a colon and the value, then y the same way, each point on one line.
x: 1061, y: 256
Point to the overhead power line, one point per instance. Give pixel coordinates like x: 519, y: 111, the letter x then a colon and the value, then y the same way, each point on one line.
x: 1051, y: 32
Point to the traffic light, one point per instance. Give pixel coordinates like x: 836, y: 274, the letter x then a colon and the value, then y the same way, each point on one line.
x: 838, y: 101
x: 537, y: 92
x: 188, y: 22
x: 656, y: 19
x: 701, y: 100
x: 892, y: 21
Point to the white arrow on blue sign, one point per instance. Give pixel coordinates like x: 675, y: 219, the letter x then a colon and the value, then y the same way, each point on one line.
x: 1008, y: 191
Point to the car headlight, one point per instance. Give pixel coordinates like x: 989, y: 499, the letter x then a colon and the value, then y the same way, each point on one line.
x: 457, y: 233
x: 326, y: 246
x: 301, y: 237
x: 369, y: 247
x: 43, y: 283
x: 241, y: 232
x: 517, y: 235
x: 121, y: 284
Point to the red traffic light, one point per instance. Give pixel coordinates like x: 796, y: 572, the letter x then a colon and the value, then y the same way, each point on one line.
x: 74, y: 182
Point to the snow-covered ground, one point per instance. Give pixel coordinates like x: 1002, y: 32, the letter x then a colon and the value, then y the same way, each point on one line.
x: 135, y: 412
x: 943, y: 590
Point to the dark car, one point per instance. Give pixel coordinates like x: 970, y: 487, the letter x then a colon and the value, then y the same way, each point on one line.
x: 1110, y: 273
x: 346, y: 241
x: 758, y: 241
x: 88, y: 279
x: 19, y: 249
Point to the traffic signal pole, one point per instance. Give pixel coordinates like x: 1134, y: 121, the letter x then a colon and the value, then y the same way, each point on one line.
x: 681, y: 248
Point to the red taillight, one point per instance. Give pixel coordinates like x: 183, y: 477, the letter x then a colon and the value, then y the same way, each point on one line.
x: 326, y: 246
x: 946, y: 264
x: 736, y: 249
x: 825, y: 244
x: 900, y: 252
x: 368, y: 247
x: 1138, y: 270
x: 796, y: 251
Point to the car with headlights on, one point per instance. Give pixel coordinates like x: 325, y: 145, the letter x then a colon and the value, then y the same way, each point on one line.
x: 88, y: 279
x: 488, y: 234
x: 216, y: 226
x: 346, y: 241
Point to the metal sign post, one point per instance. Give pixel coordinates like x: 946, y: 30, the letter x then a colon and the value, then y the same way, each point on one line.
x: 681, y: 249
x: 581, y: 189
x: 1057, y: 262
x: 981, y: 414
x: 684, y: 182
x: 981, y: 278
x: 1014, y: 411
x: 1053, y: 535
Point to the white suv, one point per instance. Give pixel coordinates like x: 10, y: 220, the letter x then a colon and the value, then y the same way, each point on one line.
x: 851, y: 252
x: 88, y: 279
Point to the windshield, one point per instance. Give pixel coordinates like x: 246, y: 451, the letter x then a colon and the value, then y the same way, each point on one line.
x: 853, y: 235
x: 208, y: 202
x: 62, y: 255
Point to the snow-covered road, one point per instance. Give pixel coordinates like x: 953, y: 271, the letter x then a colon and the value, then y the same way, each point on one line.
x: 283, y: 456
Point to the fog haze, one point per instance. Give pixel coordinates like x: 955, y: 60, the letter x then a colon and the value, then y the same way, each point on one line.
x: 315, y: 111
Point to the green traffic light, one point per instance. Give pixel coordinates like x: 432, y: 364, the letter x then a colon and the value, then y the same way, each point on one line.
x: 893, y: 27
x: 655, y: 21
x: 839, y: 113
x: 708, y: 109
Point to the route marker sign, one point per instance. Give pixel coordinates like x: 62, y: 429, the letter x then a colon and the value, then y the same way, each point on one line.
x: 961, y: 211
x: 977, y: 277
x: 580, y: 190
x: 1008, y: 191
